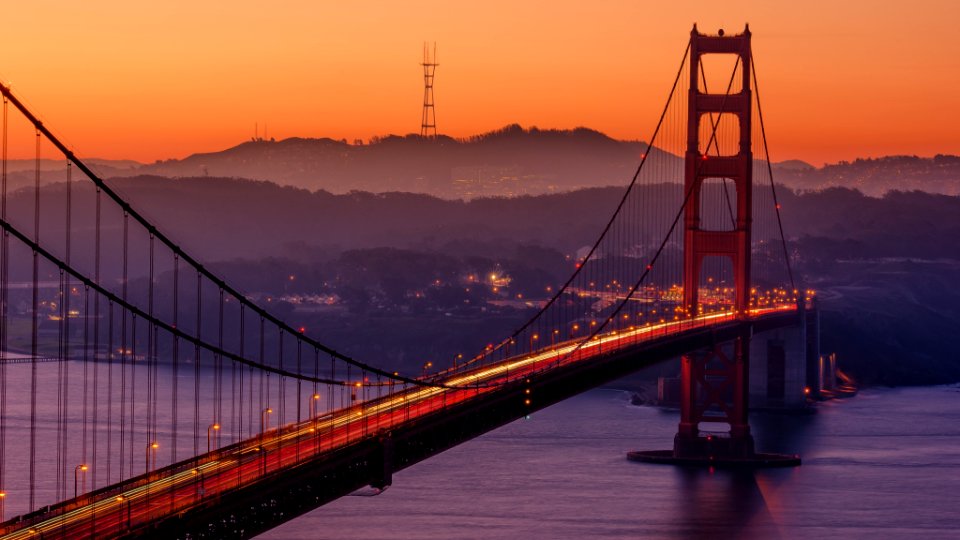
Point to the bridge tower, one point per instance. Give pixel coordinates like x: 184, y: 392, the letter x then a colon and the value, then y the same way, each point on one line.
x: 699, y: 242
x: 714, y: 383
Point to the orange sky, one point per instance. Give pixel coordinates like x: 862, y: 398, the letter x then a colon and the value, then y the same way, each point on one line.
x: 119, y: 79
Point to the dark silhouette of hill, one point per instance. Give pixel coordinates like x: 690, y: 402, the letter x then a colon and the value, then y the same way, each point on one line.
x: 225, y: 218
x: 509, y: 161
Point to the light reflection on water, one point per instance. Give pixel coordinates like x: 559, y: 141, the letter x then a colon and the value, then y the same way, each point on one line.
x: 882, y: 465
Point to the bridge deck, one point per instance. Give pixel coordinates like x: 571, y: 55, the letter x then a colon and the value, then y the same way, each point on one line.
x: 171, y: 497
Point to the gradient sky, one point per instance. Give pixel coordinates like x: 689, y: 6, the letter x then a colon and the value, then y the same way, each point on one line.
x: 121, y: 79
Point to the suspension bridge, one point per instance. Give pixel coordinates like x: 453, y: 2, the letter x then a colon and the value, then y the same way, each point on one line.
x: 143, y: 395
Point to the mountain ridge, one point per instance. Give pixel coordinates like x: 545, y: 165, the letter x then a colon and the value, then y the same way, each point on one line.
x: 510, y: 161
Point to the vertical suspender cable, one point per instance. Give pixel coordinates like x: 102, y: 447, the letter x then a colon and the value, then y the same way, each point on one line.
x: 4, y: 282
x: 96, y: 342
x: 132, y: 355
x: 281, y: 382
x: 176, y: 361
x: 124, y: 359
x: 60, y: 480
x: 218, y: 370
x: 196, y: 369
x: 151, y: 369
x: 123, y: 387
x: 238, y: 413
x: 65, y: 300
x: 299, y: 350
x: 34, y: 334
x: 86, y: 371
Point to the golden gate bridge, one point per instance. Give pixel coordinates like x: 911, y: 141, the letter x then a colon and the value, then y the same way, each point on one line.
x: 180, y: 407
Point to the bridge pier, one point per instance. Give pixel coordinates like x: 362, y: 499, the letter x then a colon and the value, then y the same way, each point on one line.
x: 715, y: 388
x: 782, y: 371
x: 779, y: 383
x: 381, y: 469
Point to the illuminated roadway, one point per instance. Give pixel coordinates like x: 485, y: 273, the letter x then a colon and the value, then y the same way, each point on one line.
x: 176, y: 488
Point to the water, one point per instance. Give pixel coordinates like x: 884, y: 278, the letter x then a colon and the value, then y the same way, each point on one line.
x: 885, y: 464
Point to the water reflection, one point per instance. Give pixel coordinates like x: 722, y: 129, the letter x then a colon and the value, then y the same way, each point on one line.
x: 721, y: 504
x: 718, y: 503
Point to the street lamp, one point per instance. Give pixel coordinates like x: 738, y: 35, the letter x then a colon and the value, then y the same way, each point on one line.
x: 150, y: 447
x: 212, y: 427
x: 314, y: 400
x: 264, y: 420
x: 3, y: 497
x: 76, y: 473
x: 263, y: 430
x: 120, y: 499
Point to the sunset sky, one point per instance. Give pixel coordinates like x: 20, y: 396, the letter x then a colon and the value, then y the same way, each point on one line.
x: 118, y: 79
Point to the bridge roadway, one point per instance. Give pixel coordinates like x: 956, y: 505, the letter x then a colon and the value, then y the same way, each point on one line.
x: 245, y: 488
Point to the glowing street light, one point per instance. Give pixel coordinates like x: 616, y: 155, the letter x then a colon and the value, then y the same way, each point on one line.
x: 264, y: 420
x: 151, y: 449
x: 314, y: 400
x: 76, y: 473
x: 212, y: 427
x: 120, y: 500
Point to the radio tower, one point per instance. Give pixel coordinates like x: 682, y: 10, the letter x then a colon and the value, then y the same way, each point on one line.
x: 428, y: 123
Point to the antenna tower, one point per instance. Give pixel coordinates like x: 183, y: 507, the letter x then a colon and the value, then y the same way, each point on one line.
x: 428, y: 122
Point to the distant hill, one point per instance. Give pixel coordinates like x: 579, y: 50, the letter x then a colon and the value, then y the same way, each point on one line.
x: 507, y: 162
x: 939, y: 174
x: 22, y: 172
x: 50, y: 165
x: 511, y: 161
x: 793, y: 165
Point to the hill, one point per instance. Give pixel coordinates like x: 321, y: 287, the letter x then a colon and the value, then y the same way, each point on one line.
x: 507, y: 162
x: 939, y: 174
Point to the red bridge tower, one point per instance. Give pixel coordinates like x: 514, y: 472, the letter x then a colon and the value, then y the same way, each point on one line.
x: 714, y: 384
x: 715, y: 381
